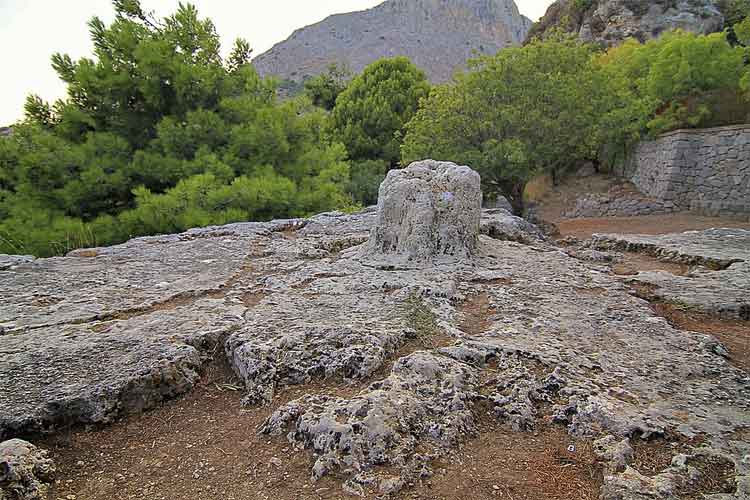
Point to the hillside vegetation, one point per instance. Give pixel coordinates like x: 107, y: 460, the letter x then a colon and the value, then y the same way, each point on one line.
x: 159, y: 133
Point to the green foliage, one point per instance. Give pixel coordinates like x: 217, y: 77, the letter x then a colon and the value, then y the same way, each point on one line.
x: 742, y: 32
x: 680, y: 80
x: 203, y: 199
x: 101, y: 184
x: 550, y: 104
x: 582, y: 5
x: 31, y: 228
x: 745, y: 85
x: 290, y: 88
x: 39, y: 111
x: 144, y: 70
x: 370, y: 115
x: 324, y: 89
x: 523, y: 111
x: 160, y: 134
x: 734, y: 11
x: 366, y: 177
x: 240, y: 55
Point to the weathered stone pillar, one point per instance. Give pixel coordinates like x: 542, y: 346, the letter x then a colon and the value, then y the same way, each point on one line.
x: 429, y: 211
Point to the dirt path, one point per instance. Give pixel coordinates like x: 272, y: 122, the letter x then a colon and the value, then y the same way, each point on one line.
x: 543, y: 464
x: 558, y: 200
x: 647, y: 224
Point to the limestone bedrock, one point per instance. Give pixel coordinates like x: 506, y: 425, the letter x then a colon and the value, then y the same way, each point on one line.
x: 427, y: 211
x: 25, y: 471
x: 104, y: 333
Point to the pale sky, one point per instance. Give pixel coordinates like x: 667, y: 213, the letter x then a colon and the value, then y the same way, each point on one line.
x: 32, y: 30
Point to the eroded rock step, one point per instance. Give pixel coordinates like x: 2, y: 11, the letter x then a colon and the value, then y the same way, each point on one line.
x: 719, y: 286
x: 712, y: 248
x: 112, y: 331
x: 132, y: 277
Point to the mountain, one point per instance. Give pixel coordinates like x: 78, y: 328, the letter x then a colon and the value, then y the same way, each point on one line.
x: 609, y: 22
x: 437, y: 35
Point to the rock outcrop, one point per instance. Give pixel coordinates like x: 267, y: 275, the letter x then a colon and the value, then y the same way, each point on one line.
x: 609, y: 22
x: 500, y: 224
x: 437, y: 35
x: 111, y: 331
x: 718, y: 285
x: 25, y: 471
x: 429, y: 210
x: 712, y: 248
x: 520, y: 333
x: 426, y: 397
x: 8, y: 261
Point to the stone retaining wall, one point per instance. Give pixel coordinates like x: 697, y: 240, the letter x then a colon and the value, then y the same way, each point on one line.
x: 703, y: 170
x: 616, y: 205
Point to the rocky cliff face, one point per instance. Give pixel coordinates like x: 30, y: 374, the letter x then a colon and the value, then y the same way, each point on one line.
x: 438, y: 35
x: 609, y: 22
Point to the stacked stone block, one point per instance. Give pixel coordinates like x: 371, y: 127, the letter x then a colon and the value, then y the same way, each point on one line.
x: 704, y: 170
x: 617, y: 205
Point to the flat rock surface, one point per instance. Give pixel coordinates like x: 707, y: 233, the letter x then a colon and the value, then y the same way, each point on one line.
x: 719, y: 281
x: 94, y: 372
x: 716, y: 248
x: 526, y: 334
x: 102, y: 282
x: 722, y: 293
x: 8, y: 261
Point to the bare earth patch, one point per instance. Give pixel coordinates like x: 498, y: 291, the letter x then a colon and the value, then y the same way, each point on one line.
x: 559, y: 199
x: 476, y: 313
x: 500, y: 464
x: 716, y: 477
x: 202, y: 446
x: 207, y: 446
x: 734, y: 335
x: 653, y: 456
x: 583, y: 228
x: 633, y: 263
